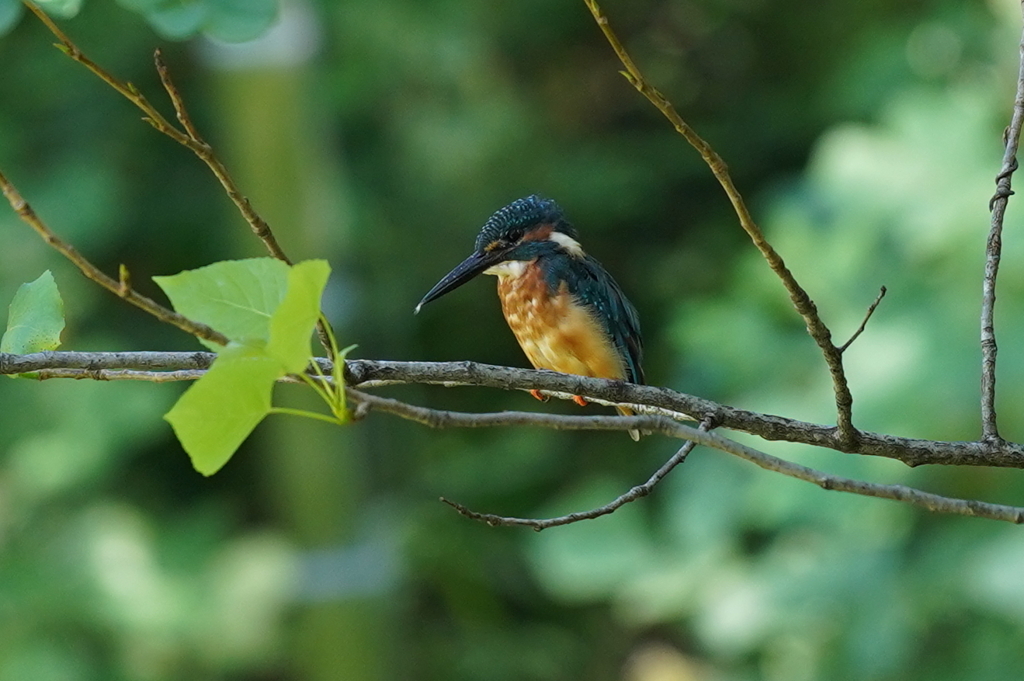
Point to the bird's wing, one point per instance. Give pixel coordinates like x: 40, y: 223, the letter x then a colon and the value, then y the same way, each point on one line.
x: 591, y: 284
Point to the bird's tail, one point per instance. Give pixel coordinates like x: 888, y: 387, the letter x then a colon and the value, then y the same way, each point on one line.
x: 626, y: 411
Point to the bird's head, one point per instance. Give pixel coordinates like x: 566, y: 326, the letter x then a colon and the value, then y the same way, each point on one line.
x: 511, y: 235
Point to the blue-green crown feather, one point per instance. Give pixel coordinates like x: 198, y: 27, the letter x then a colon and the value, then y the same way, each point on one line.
x: 511, y: 222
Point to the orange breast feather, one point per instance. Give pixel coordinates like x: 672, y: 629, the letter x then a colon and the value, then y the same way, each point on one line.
x: 554, y: 330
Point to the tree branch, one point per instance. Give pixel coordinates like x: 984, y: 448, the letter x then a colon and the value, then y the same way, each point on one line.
x: 846, y: 435
x: 120, y: 288
x: 374, y: 373
x: 152, y: 116
x: 913, y: 452
x: 665, y: 426
x: 161, y: 366
x: 633, y: 494
x: 993, y: 252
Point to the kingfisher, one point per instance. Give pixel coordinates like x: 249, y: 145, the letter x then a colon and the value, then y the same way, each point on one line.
x: 563, y: 307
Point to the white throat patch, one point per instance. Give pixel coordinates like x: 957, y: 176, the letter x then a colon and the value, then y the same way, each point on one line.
x: 509, y: 268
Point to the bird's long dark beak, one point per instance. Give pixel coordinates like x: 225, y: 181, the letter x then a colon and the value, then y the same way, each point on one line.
x: 467, y: 269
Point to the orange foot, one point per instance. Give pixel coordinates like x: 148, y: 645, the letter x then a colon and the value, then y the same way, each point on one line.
x: 537, y: 395
x: 579, y: 400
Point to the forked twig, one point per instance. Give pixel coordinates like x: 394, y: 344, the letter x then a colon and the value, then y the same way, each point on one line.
x: 160, y: 123
x: 172, y: 92
x: 845, y: 432
x: 259, y: 226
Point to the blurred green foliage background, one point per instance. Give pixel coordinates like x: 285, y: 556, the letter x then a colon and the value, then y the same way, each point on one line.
x: 380, y: 134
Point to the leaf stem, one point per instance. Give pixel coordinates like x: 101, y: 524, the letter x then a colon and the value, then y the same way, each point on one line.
x: 306, y: 414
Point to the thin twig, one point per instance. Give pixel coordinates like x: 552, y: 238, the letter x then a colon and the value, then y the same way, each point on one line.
x: 259, y: 226
x: 372, y: 373
x: 176, y: 100
x: 993, y: 251
x: 125, y: 88
x: 860, y: 329
x: 122, y: 289
x: 152, y: 116
x: 846, y: 434
x: 633, y: 494
x: 659, y: 424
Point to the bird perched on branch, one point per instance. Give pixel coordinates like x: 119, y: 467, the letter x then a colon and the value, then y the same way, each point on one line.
x: 566, y: 311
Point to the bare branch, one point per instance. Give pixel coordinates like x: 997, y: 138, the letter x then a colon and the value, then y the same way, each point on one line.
x: 633, y: 494
x: 660, y: 424
x: 120, y: 288
x: 846, y: 434
x: 993, y: 251
x: 365, y: 372
x: 145, y: 361
x: 183, y: 366
x: 911, y: 451
x: 152, y: 116
x: 860, y: 329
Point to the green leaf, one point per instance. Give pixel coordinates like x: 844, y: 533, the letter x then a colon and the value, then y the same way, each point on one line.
x: 144, y: 6
x: 294, y: 319
x: 232, y: 21
x: 216, y: 414
x: 61, y: 8
x: 236, y: 21
x: 268, y: 310
x: 235, y: 297
x: 10, y: 12
x: 178, y: 20
x: 36, y: 317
